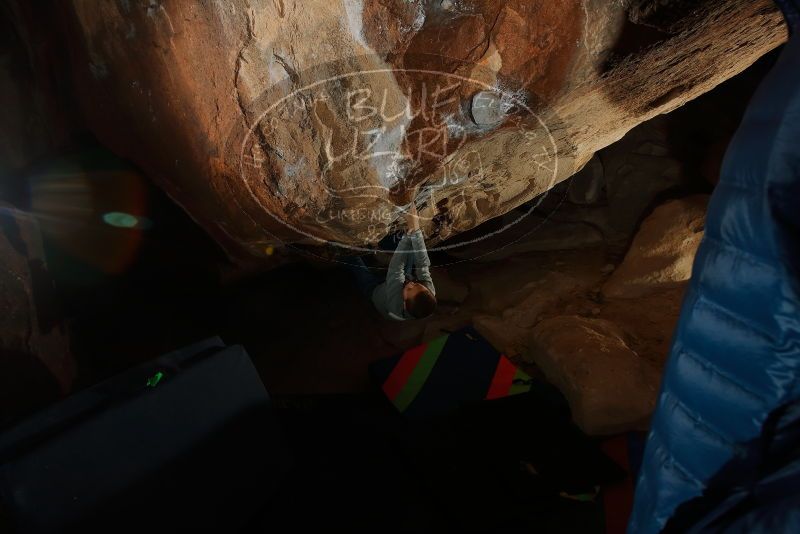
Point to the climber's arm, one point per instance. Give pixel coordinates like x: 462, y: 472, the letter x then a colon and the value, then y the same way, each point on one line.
x: 422, y: 263
x: 396, y: 275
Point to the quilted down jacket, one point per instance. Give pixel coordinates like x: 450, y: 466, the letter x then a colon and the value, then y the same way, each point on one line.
x: 723, y: 453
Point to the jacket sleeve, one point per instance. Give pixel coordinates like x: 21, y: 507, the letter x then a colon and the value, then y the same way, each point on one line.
x: 422, y: 264
x: 791, y: 11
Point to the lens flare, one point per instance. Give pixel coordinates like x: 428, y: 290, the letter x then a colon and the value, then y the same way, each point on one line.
x: 119, y: 219
x: 92, y: 210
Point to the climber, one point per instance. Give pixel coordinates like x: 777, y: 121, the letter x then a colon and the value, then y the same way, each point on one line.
x: 405, y: 294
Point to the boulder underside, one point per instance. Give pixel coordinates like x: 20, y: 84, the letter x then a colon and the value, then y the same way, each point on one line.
x: 291, y: 123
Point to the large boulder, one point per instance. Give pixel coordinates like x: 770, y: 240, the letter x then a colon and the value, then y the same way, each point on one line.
x: 610, y: 389
x: 308, y: 122
x: 523, y: 298
x: 662, y: 253
x: 36, y: 366
x: 506, y: 338
x: 544, y: 293
x: 530, y: 281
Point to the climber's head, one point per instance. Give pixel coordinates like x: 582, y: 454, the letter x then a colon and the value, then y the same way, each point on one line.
x: 418, y: 299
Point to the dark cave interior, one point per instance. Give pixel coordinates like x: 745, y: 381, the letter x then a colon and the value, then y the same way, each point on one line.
x: 121, y: 274
x: 131, y: 294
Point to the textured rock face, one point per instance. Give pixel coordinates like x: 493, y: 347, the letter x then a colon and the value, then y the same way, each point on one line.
x: 608, y: 386
x: 601, y: 334
x: 309, y: 122
x: 509, y: 332
x: 35, y: 363
x: 662, y: 254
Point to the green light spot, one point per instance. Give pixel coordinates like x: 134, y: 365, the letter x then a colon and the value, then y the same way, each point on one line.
x: 121, y: 220
x: 155, y: 379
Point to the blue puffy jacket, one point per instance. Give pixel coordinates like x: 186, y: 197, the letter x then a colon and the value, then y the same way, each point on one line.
x: 723, y: 452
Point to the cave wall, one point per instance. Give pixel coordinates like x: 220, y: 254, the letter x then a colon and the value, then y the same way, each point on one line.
x: 244, y: 113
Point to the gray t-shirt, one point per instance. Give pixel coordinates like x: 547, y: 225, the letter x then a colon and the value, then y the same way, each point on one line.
x: 388, y: 297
